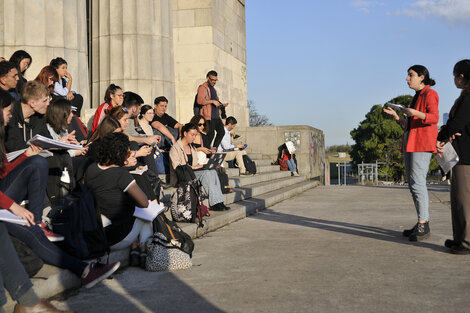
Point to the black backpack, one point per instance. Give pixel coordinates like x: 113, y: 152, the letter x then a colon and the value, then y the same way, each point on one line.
x: 223, y: 178
x: 30, y: 260
x: 75, y: 217
x: 172, y: 231
x: 196, y: 106
x: 249, y: 164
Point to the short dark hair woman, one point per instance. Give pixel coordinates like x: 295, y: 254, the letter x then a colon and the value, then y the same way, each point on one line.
x: 457, y: 131
x: 419, y: 142
x: 116, y: 194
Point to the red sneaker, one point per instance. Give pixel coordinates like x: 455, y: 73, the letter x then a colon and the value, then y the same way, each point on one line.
x: 49, y: 234
x: 99, y: 272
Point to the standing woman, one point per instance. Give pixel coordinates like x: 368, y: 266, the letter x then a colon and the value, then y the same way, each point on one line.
x: 457, y: 130
x: 419, y: 139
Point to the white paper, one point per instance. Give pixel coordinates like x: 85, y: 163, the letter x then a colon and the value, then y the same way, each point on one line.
x: 149, y: 213
x: 449, y: 158
x: 13, y: 155
x: 48, y: 143
x: 396, y: 106
x: 9, y: 217
x: 141, y: 171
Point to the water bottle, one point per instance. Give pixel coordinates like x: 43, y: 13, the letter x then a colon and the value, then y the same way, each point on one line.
x: 64, y: 182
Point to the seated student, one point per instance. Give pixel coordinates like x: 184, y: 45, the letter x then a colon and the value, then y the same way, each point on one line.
x: 25, y: 178
x: 28, y: 116
x: 116, y: 195
x: 201, y: 142
x: 63, y: 87
x: 184, y: 153
x: 287, y: 154
x: 9, y: 78
x: 232, y: 152
x: 22, y: 60
x: 113, y: 97
x: 14, y: 278
x: 165, y: 125
x: 48, y: 76
x: 58, y: 117
x: 144, y: 119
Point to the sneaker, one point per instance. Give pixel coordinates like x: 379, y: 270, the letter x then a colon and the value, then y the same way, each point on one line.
x: 53, y: 237
x: 295, y: 174
x: 461, y: 250
x: 218, y: 207
x: 408, y: 232
x: 421, y: 232
x: 99, y: 272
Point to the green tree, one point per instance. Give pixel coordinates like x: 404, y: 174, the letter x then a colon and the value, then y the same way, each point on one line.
x: 378, y: 138
x: 338, y: 148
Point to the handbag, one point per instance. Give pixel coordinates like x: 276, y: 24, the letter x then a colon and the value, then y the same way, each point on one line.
x: 164, y: 255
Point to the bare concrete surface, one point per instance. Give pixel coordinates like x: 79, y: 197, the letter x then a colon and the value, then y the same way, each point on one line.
x: 329, y: 249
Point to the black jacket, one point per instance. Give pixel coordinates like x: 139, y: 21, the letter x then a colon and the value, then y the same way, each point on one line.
x: 459, y: 122
x: 18, y: 132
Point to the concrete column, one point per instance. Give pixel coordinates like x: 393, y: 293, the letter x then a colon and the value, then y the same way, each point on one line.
x: 47, y: 29
x: 132, y: 46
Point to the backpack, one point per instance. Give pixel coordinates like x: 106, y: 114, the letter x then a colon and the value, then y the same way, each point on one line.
x: 31, y: 262
x: 223, y: 178
x: 186, y: 202
x: 56, y: 189
x: 249, y: 164
x: 282, y: 163
x: 196, y: 106
x: 174, y: 233
x: 75, y: 217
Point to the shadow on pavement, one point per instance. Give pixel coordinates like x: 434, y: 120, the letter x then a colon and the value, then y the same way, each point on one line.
x: 344, y: 228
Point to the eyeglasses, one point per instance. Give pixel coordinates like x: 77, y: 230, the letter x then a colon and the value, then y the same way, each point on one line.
x: 200, y: 124
x: 125, y: 109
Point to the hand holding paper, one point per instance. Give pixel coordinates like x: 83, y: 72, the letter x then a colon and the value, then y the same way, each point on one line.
x: 149, y: 213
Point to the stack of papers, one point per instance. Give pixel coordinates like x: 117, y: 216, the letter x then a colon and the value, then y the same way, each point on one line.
x: 48, y: 143
x: 149, y: 213
x: 396, y: 106
x: 9, y: 217
x: 449, y: 158
x: 13, y: 155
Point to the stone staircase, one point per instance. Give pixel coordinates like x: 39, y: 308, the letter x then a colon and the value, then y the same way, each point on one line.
x: 251, y: 194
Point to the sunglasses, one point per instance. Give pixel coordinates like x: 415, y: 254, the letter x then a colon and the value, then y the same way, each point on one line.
x: 200, y: 124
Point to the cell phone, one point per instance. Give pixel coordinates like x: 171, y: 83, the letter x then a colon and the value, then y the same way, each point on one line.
x: 153, y: 145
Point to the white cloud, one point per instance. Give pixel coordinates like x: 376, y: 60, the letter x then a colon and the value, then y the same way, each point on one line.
x: 451, y: 11
x: 366, y: 6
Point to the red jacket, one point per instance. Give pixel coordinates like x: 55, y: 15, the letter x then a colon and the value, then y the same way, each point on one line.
x: 5, y: 201
x: 99, y: 115
x: 204, y: 95
x: 423, y: 133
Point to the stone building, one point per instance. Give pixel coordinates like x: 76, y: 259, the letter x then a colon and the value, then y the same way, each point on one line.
x: 152, y: 47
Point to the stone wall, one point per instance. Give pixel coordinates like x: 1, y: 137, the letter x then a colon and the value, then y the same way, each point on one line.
x: 210, y: 34
x: 309, y: 141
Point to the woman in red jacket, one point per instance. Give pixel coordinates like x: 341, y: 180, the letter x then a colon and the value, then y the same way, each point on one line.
x: 419, y: 140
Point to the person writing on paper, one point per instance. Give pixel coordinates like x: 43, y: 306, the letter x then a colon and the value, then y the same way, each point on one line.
x: 184, y: 153
x: 419, y: 140
x: 457, y: 131
x: 116, y: 196
x: 25, y: 178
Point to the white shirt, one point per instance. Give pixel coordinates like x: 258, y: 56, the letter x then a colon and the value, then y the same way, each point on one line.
x: 226, y: 143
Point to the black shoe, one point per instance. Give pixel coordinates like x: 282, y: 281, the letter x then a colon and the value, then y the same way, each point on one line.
x: 450, y: 243
x: 421, y: 232
x: 143, y: 259
x: 226, y: 208
x: 246, y: 174
x: 134, y: 257
x: 408, y: 232
x: 218, y: 207
x: 459, y: 250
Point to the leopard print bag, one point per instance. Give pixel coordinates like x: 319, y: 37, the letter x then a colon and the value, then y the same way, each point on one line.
x: 164, y: 255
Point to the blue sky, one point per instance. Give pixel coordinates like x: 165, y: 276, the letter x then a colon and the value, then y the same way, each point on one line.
x: 326, y: 63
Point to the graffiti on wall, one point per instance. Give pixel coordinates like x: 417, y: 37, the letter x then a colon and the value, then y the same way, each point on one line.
x: 294, y: 137
x: 314, y: 145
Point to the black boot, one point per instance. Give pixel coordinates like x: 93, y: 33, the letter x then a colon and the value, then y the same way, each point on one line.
x: 421, y: 232
x: 408, y: 232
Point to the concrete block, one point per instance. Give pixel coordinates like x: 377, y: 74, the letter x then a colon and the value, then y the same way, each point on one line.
x: 203, y: 17
x: 184, y: 18
x: 193, y: 35
x: 194, y: 4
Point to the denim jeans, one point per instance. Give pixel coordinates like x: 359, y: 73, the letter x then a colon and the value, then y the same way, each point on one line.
x: 165, y: 142
x: 211, y: 183
x: 291, y: 165
x: 13, y: 277
x: 417, y: 165
x: 28, y: 180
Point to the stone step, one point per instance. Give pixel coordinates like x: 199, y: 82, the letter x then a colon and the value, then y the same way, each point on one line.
x: 239, y: 181
x: 262, y: 162
x: 232, y: 172
x: 51, y: 281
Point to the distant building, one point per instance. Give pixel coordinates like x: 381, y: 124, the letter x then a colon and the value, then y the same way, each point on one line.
x: 445, y: 117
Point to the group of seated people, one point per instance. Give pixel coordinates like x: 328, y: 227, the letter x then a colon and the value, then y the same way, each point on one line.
x: 126, y: 135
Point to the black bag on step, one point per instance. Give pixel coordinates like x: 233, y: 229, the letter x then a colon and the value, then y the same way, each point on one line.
x: 249, y: 164
x: 75, y: 217
x: 223, y: 178
x: 172, y: 231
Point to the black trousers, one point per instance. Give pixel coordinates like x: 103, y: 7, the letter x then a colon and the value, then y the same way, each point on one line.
x: 216, y: 125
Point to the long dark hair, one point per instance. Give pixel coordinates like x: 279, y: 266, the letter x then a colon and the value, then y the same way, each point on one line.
x: 108, y: 125
x: 57, y: 113
x: 5, y: 101
x: 422, y: 70
x: 18, y: 56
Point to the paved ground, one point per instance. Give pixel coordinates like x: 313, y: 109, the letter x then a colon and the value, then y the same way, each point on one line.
x: 330, y: 249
